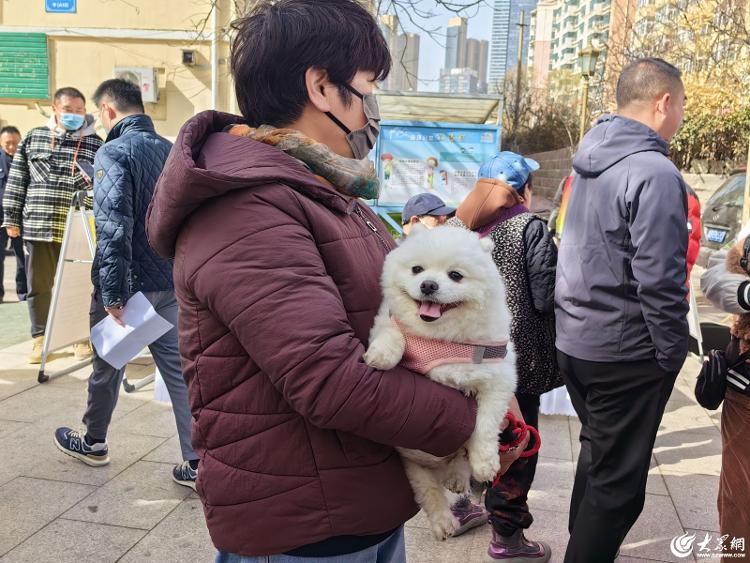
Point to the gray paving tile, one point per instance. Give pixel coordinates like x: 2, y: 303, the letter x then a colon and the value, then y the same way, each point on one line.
x: 65, y: 541
x: 655, y: 484
x: 168, y: 452
x: 50, y: 463
x: 139, y: 497
x: 552, y: 529
x: 552, y: 486
x: 150, y: 419
x: 694, y: 497
x: 14, y: 381
x: 183, y: 531
x: 27, y: 505
x: 9, y: 427
x: 422, y: 547
x: 651, y: 535
x: 687, y: 451
x: 555, y: 436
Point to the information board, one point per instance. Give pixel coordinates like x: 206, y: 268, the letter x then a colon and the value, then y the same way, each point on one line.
x: 444, y: 158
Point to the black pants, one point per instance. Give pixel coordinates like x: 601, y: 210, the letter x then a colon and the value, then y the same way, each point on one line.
x: 41, y: 265
x: 620, y: 406
x: 506, y: 503
x: 17, y: 245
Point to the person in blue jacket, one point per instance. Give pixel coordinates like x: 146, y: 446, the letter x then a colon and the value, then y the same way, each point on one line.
x: 126, y: 169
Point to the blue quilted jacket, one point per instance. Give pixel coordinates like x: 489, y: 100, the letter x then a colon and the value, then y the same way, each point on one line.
x: 126, y: 168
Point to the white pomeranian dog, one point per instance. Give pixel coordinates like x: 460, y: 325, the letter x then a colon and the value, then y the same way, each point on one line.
x: 444, y: 314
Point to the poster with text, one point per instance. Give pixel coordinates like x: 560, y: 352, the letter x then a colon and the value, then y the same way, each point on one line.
x: 443, y: 158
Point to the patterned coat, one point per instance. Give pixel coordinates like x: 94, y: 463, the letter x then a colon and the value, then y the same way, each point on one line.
x: 44, y: 178
x: 526, y: 258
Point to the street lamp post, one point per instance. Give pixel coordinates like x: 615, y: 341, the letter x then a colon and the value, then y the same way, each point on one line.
x: 587, y: 58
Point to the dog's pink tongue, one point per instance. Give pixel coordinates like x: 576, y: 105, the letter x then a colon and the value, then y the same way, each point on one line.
x: 430, y: 310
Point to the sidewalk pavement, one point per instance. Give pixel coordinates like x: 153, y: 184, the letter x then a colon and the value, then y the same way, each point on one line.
x: 55, y: 509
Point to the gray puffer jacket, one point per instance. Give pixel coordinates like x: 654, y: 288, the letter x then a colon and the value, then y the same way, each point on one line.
x: 621, y: 276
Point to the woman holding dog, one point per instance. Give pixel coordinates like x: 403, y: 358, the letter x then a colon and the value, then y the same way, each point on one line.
x: 526, y: 257
x: 277, y: 264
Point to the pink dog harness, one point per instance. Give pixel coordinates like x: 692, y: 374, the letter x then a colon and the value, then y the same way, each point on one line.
x: 423, y: 354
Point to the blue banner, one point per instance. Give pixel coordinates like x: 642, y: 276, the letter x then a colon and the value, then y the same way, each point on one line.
x: 444, y: 158
x: 60, y: 6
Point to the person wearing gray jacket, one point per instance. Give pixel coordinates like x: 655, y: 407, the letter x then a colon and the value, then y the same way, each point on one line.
x: 621, y: 301
x: 728, y: 291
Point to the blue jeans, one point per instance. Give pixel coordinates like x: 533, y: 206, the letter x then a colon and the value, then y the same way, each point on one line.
x: 390, y: 550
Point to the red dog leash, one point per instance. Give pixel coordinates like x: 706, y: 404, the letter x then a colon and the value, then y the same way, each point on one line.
x: 513, y: 435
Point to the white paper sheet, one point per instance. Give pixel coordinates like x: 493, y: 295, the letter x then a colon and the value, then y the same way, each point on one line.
x: 117, y: 345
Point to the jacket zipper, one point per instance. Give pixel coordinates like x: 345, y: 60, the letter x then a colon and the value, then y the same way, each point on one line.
x: 372, y: 227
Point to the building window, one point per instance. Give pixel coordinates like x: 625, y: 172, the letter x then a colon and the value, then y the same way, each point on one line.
x: 24, y: 66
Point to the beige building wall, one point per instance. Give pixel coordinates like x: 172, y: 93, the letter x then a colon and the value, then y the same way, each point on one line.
x: 84, y: 48
x: 541, y: 42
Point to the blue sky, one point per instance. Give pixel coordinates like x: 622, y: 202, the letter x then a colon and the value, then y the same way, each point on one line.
x: 432, y: 53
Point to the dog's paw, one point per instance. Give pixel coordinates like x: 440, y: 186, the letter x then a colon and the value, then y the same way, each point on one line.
x: 443, y: 524
x: 457, y: 484
x: 484, y: 468
x: 379, y: 357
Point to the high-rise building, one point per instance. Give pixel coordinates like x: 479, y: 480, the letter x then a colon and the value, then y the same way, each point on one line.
x: 477, y: 53
x: 499, y: 48
x: 458, y: 81
x: 540, y: 42
x: 404, y: 48
x: 455, y: 44
x: 409, y: 62
x: 516, y: 7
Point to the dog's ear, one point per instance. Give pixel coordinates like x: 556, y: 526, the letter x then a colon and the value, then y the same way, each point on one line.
x: 487, y: 245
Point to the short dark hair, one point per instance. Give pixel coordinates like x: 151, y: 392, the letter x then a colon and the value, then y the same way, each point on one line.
x: 644, y: 80
x: 125, y: 95
x: 277, y: 42
x: 69, y: 91
x: 10, y: 130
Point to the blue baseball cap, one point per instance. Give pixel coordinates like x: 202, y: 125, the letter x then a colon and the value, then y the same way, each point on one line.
x: 425, y: 204
x: 509, y: 167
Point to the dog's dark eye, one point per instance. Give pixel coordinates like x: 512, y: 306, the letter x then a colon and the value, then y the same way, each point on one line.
x: 417, y: 270
x: 455, y: 276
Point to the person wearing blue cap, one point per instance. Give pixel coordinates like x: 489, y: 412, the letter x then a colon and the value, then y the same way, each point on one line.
x: 526, y: 257
x: 425, y: 208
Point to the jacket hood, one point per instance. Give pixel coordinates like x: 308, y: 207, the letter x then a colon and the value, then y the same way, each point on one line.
x: 207, y: 162
x: 135, y: 122
x: 611, y: 140
x: 89, y: 127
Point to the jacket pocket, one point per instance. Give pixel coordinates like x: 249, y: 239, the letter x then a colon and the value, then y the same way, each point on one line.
x: 40, y: 164
x: 362, y: 452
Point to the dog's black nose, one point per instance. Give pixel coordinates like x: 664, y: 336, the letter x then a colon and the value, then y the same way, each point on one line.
x: 429, y: 287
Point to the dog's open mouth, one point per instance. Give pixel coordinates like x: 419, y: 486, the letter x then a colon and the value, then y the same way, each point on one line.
x: 430, y: 311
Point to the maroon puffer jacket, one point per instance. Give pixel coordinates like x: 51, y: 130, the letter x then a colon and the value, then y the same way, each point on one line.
x: 277, y: 277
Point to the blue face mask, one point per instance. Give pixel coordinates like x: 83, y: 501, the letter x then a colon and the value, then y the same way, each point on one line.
x: 72, y: 121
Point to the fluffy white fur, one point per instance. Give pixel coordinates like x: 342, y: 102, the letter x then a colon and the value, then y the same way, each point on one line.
x: 478, y: 312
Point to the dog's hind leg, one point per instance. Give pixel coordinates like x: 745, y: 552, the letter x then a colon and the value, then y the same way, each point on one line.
x: 458, y: 475
x: 430, y: 495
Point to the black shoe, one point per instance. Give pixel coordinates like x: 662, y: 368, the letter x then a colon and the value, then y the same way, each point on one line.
x: 185, y: 475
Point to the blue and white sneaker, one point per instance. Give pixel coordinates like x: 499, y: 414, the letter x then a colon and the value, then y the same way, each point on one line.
x: 185, y: 475
x: 71, y: 442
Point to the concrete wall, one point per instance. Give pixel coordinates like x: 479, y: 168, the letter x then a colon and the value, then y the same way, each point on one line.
x: 85, y: 47
x: 555, y: 165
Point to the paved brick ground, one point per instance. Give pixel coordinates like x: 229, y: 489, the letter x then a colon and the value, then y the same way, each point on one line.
x: 55, y: 509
